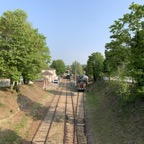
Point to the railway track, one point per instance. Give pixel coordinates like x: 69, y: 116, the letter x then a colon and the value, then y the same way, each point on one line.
x: 64, y: 121
x: 81, y: 123
x: 69, y: 121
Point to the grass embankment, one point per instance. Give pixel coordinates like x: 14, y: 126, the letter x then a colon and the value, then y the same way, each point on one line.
x: 20, y: 112
x: 108, y: 121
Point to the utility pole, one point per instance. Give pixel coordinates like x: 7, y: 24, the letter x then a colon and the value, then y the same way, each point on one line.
x: 75, y: 72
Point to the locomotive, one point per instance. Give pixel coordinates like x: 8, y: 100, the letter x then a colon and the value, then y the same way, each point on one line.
x: 82, y: 83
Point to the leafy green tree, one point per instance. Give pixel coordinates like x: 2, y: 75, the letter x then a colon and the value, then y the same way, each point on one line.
x: 137, y: 57
x: 59, y: 65
x: 125, y: 51
x: 84, y: 68
x: 106, y: 69
x: 68, y: 68
x: 77, y: 68
x: 39, y: 57
x: 117, y: 60
x: 94, y: 67
x: 23, y: 50
x: 119, y: 50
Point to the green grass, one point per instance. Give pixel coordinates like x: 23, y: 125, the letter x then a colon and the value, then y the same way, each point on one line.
x: 46, y: 95
x: 9, y: 137
x: 20, y: 126
x: 108, y: 121
x: 2, y: 105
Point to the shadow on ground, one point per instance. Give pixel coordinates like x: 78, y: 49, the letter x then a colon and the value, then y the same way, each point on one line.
x: 36, y: 110
x: 11, y: 137
x: 31, y: 108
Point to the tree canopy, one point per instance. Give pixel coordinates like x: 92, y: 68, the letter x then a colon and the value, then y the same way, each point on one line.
x: 59, y: 65
x: 76, y: 67
x: 125, y: 52
x: 94, y: 67
x: 23, y: 51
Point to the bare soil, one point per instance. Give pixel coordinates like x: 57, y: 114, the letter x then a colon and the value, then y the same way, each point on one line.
x: 21, y: 112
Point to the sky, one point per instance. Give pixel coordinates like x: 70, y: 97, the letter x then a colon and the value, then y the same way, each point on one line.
x: 74, y: 28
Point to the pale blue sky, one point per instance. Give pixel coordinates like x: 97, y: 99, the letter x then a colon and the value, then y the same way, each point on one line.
x: 74, y: 28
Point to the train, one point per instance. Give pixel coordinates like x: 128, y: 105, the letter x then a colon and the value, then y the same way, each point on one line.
x: 82, y: 83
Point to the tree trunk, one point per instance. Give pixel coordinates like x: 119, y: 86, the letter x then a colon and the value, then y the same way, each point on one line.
x: 11, y: 84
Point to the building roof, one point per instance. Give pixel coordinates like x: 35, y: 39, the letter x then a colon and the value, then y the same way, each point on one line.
x: 49, y: 68
x: 47, y: 73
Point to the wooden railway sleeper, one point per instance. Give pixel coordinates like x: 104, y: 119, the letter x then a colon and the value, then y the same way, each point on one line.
x: 80, y: 124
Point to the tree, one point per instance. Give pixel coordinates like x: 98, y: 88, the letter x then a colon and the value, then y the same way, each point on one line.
x: 125, y: 50
x: 94, y: 67
x: 77, y: 68
x: 23, y: 50
x: 106, y: 69
x: 38, y: 58
x: 137, y: 57
x: 59, y: 65
x: 117, y: 59
x: 84, y: 68
x: 119, y: 53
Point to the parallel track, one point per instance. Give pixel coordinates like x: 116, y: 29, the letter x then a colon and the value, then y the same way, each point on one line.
x: 42, y: 133
x: 68, y: 105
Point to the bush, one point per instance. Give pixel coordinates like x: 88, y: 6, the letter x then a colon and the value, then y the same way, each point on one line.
x: 126, y: 92
x: 141, y: 92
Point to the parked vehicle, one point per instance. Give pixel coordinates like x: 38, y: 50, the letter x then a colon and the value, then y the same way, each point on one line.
x: 56, y: 81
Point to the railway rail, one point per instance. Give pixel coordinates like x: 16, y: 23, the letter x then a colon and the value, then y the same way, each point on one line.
x: 42, y: 133
x: 64, y: 122
x: 69, y: 121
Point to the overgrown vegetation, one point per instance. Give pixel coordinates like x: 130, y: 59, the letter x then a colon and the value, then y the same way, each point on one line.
x: 109, y: 119
x: 125, y: 52
x: 124, y: 56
